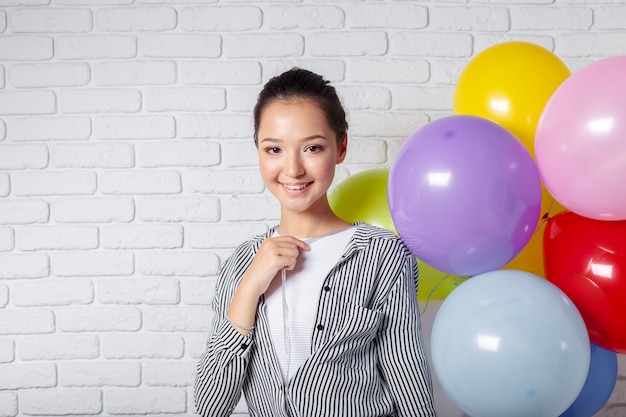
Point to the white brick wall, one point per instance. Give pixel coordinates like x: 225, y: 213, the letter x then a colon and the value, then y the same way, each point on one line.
x: 127, y: 169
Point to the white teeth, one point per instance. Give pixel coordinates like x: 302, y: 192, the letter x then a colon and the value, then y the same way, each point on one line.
x: 295, y: 187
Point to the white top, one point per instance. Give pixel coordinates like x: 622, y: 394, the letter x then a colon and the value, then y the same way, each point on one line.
x: 302, y: 288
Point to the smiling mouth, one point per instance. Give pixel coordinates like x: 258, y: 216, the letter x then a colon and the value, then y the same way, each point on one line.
x: 296, y: 187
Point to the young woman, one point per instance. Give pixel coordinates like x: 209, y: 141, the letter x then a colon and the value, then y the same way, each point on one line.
x: 316, y: 317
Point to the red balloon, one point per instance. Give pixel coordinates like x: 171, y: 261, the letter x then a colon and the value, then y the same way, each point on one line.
x: 586, y: 259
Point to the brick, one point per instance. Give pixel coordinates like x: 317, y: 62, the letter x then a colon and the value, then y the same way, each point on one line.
x: 52, y: 292
x: 262, y: 45
x: 8, y: 404
x: 93, y: 210
x: 50, y: 20
x: 187, y: 99
x: 23, y: 157
x: 92, y: 2
x: 5, y: 186
x: 224, y: 181
x: 3, y: 24
x: 24, y: 211
x: 441, y: 44
x: 360, y: 97
x: 61, y: 402
x: 347, y: 43
x: 304, y: 17
x: 597, y: 44
x: 135, y: 73
x: 99, y: 374
x: 195, y: 126
x: 144, y: 345
x: 4, y: 299
x: 396, y: 124
x: 220, y: 19
x: 141, y: 182
x: 25, y: 322
x: 474, y: 18
x: 95, y: 264
x: 177, y: 263
x: 131, y: 19
x: 58, y: 347
x: 25, y: 48
x: 178, y: 154
x: 392, y: 16
x: 552, y: 18
x: 145, y: 401
x: 183, y: 45
x: 7, y: 239
x: 24, y: 265
x: 101, y: 100
x: 48, y: 75
x: 178, y: 209
x: 423, y: 98
x: 220, y: 73
x: 369, y: 71
x: 446, y: 71
x: 57, y: 237
x: 242, y: 99
x: 198, y: 292
x: 96, y: 47
x: 177, y: 319
x: 98, y: 319
x: 93, y: 155
x: 609, y: 17
x: 195, y: 344
x: 135, y: 127
x: 23, y: 2
x: 3, y: 127
x: 54, y: 183
x: 7, y: 352
x: 35, y: 375
x: 27, y: 102
x: 138, y: 291
x: 49, y: 128
x: 142, y: 236
x: 180, y: 373
x: 367, y: 152
x: 221, y: 235
x: 239, y: 153
x: 236, y: 208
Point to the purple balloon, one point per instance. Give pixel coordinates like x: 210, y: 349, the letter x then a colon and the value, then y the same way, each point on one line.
x: 464, y: 195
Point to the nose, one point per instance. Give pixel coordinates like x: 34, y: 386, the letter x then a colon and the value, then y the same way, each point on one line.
x: 293, y: 167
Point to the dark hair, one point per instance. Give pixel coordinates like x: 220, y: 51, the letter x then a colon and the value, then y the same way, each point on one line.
x: 298, y: 83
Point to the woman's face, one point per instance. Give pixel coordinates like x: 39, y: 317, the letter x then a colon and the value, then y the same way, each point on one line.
x: 298, y: 152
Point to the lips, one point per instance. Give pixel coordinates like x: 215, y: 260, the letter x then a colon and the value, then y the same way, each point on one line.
x: 296, y: 187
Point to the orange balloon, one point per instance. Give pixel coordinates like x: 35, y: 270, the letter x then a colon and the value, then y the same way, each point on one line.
x: 510, y: 83
x: 530, y: 259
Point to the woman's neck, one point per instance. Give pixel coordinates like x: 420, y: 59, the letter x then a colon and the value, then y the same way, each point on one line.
x: 307, y: 226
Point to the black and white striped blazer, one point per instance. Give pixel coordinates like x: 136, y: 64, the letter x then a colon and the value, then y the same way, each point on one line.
x: 367, y: 354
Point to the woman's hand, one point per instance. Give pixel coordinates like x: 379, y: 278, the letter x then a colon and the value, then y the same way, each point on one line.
x: 274, y: 254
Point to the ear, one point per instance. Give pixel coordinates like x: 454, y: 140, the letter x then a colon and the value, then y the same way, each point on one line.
x: 342, y: 150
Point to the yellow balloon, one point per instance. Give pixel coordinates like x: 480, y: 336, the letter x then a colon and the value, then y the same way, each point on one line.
x: 363, y: 197
x: 530, y: 259
x: 510, y: 83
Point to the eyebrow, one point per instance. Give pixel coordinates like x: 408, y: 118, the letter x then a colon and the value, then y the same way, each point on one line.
x: 306, y: 139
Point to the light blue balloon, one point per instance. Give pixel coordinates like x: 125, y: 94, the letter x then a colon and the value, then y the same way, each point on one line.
x: 509, y: 343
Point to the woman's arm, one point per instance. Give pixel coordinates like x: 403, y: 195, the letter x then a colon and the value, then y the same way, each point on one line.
x: 401, y: 353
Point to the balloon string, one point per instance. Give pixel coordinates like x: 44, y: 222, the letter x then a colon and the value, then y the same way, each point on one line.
x: 455, y: 280
x: 546, y: 216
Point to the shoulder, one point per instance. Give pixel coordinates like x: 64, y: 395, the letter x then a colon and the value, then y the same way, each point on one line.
x: 375, y: 238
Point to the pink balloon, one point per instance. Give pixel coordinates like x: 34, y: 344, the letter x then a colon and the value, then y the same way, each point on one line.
x: 580, y: 143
